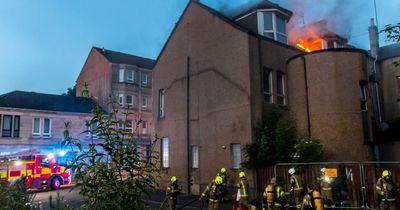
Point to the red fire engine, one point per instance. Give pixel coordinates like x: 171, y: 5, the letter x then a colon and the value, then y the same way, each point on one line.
x: 41, y: 171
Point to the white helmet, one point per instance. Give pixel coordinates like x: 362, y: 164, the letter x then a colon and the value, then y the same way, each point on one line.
x: 323, y: 170
x: 292, y: 171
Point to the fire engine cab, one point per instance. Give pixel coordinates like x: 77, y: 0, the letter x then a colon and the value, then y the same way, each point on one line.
x: 41, y: 171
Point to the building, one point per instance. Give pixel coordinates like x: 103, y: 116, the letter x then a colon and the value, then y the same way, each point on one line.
x: 124, y: 80
x: 35, y: 122
x: 216, y: 77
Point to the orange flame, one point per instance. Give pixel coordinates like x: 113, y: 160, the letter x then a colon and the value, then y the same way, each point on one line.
x: 311, y: 44
x: 308, y: 38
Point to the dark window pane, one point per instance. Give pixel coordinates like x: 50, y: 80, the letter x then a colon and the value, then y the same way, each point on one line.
x: 280, y: 88
x: 269, y: 34
x: 281, y: 38
x: 7, y: 125
x: 280, y: 25
x: 268, y: 21
x: 16, y: 126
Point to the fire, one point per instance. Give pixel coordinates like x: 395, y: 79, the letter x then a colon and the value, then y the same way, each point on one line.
x: 311, y: 44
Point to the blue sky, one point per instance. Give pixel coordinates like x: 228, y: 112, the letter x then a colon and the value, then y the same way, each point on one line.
x: 44, y: 44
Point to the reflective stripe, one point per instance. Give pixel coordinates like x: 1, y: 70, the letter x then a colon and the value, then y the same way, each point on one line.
x: 326, y: 188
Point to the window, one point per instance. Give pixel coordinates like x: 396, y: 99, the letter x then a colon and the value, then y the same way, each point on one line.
x: 235, y: 156
x: 398, y: 86
x: 16, y: 126
x: 267, y: 83
x: 161, y: 103
x: 148, y: 153
x: 144, y: 102
x: 144, y: 127
x: 128, y: 126
x: 121, y: 99
x: 363, y: 98
x: 121, y: 75
x: 129, y: 76
x: 273, y: 26
x: 36, y: 127
x: 47, y: 127
x: 7, y: 125
x: 165, y: 152
x: 129, y: 100
x: 195, y: 157
x: 92, y: 130
x: 144, y: 79
x: 280, y: 88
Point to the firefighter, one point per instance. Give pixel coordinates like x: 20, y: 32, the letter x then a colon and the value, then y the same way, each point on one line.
x: 387, y: 191
x: 214, y: 191
x: 326, y: 189
x: 295, y: 187
x: 173, y: 190
x: 243, y: 186
x: 274, y: 196
x: 224, y: 177
x: 312, y: 200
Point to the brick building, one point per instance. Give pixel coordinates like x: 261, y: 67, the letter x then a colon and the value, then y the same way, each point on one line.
x: 125, y: 80
x: 216, y: 77
x: 32, y: 121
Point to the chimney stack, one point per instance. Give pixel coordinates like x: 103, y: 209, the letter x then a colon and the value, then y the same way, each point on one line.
x: 373, y: 38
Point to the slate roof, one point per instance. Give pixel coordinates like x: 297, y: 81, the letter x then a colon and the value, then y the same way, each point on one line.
x: 123, y: 58
x: 46, y: 102
x: 389, y: 51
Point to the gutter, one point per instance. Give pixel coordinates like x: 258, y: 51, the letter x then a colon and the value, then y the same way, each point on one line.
x: 307, y: 98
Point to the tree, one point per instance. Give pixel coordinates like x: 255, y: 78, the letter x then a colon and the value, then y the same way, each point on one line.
x: 308, y: 150
x: 111, y: 173
x: 393, y: 34
x: 275, y: 139
x: 70, y: 91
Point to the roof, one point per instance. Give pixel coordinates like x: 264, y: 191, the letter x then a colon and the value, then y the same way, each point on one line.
x: 263, y: 5
x: 389, y: 51
x: 46, y: 102
x: 123, y: 58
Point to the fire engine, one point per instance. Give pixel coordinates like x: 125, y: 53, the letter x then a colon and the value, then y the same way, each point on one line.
x: 41, y: 171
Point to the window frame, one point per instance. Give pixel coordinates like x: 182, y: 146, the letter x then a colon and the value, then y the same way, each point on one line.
x: 7, y: 130
x: 195, y: 157
x: 235, y: 165
x: 128, y: 79
x: 165, y: 153
x: 39, y: 133
x: 121, y: 75
x: 144, y: 102
x: 271, y: 90
x: 48, y: 134
x: 16, y: 131
x: 283, y: 94
x: 121, y: 99
x: 144, y: 127
x: 127, y: 127
x: 144, y: 82
x: 363, y: 96
x: 161, y: 104
x: 132, y: 100
x: 274, y: 31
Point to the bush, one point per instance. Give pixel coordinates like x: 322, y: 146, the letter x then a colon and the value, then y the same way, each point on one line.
x: 15, y: 196
x: 112, y: 174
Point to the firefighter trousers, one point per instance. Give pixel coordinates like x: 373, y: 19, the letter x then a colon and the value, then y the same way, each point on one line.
x: 172, y: 203
x: 213, y: 204
x: 388, y: 205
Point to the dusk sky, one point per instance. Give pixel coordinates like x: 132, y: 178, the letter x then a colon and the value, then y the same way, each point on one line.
x: 44, y: 44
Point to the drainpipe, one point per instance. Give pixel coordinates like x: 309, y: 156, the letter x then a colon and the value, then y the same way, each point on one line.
x: 188, y: 122
x: 307, y: 100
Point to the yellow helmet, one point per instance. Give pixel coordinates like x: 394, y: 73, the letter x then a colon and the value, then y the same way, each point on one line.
x: 386, y: 173
x: 173, y: 179
x: 242, y: 174
x: 223, y: 170
x: 218, y: 180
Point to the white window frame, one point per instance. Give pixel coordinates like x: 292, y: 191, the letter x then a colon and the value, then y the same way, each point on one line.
x: 195, y: 156
x: 121, y: 75
x: 144, y: 82
x: 165, y: 152
x: 144, y: 102
x: 128, y: 79
x: 271, y: 96
x: 121, y: 99
x: 236, y: 158
x: 127, y: 127
x: 161, y: 112
x: 90, y: 129
x: 37, y: 134
x: 129, y: 104
x: 283, y: 88
x: 46, y: 135
x: 261, y: 29
x: 144, y: 127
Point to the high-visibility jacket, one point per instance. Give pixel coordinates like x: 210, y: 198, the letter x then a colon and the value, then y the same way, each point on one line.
x: 295, y: 183
x: 243, y: 187
x: 312, y: 201
x: 173, y: 189
x: 214, y: 191
x: 386, y: 189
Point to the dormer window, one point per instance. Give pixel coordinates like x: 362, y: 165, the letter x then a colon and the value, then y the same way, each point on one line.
x: 272, y: 25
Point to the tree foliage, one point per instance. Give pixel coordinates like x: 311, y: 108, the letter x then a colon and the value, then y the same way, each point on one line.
x: 112, y: 173
x: 15, y: 196
x: 70, y: 91
x: 308, y: 150
x: 393, y: 34
x: 275, y: 140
